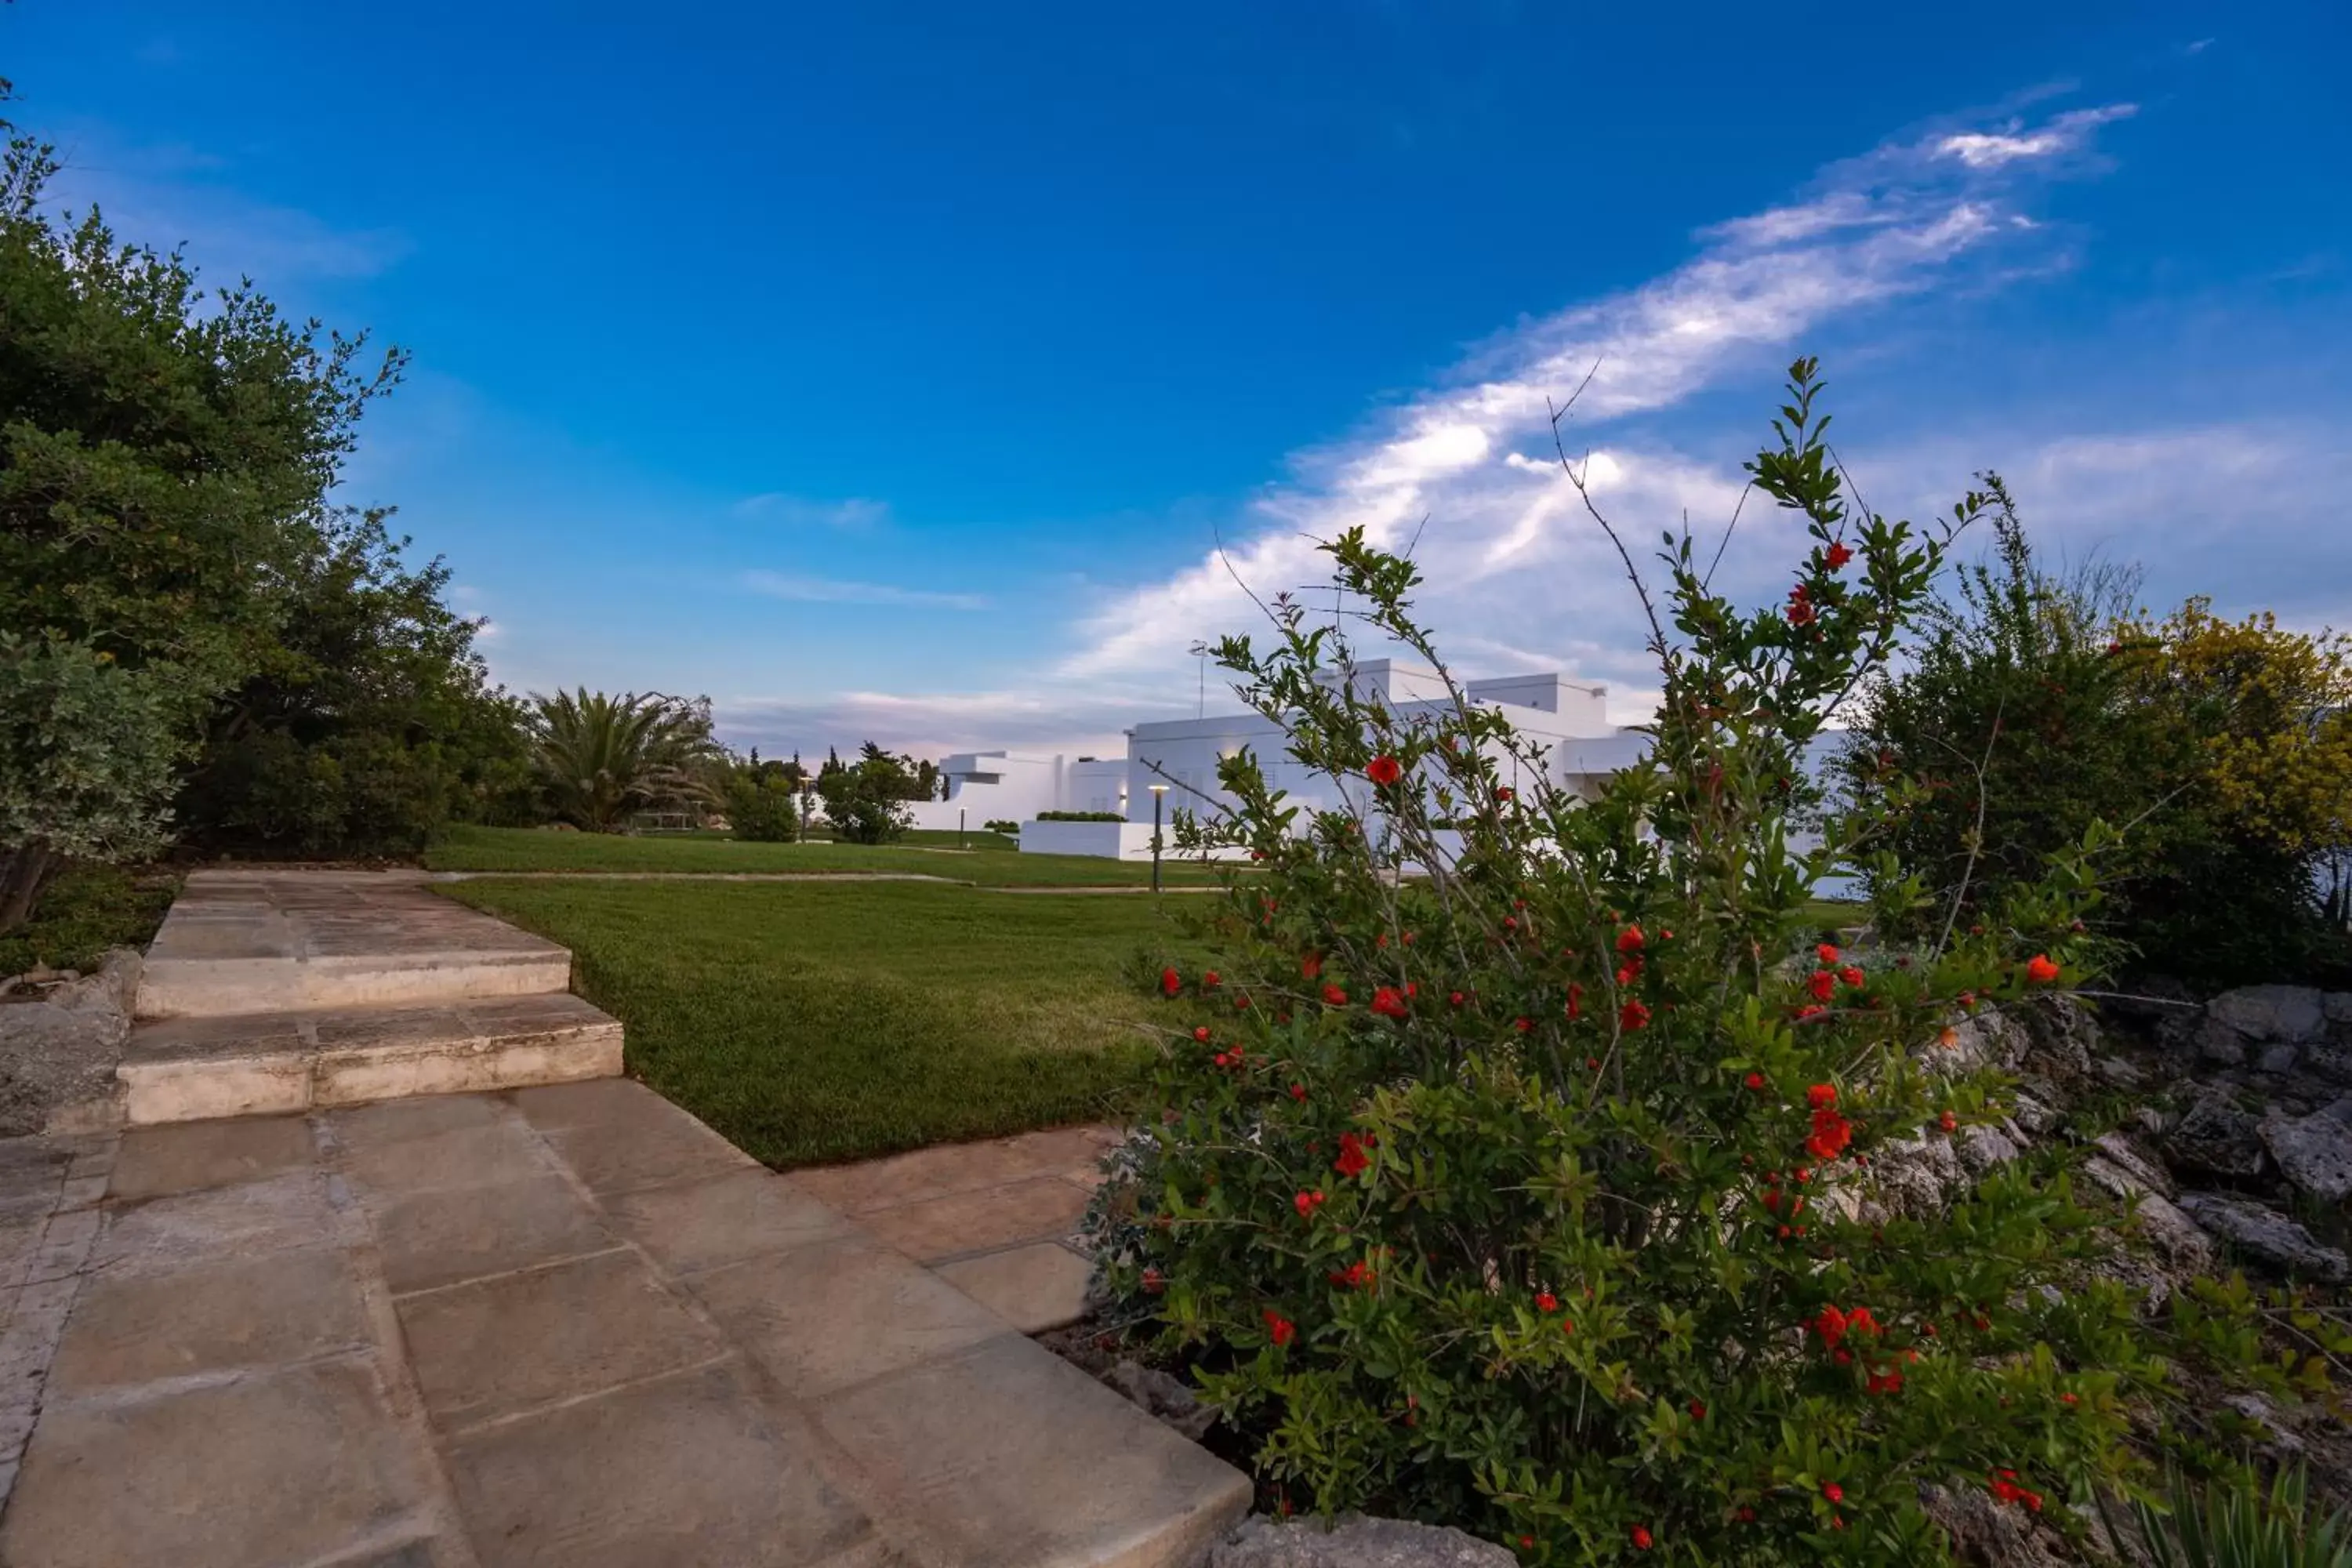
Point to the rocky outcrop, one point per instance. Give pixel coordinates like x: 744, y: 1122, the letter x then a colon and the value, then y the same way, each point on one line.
x: 2314, y: 1153
x: 60, y: 1039
x: 1354, y: 1541
x: 2218, y: 1139
x: 2266, y: 1234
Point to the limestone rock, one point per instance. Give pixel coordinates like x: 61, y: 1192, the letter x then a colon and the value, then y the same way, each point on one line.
x: 2335, y: 1006
x: 2278, y: 1059
x: 1163, y: 1395
x: 2174, y: 1235
x: 2216, y: 1138
x: 2314, y: 1151
x: 2033, y: 1116
x: 1980, y: 1149
x: 1987, y: 1535
x: 2126, y: 1153
x: 2267, y: 1234
x: 1354, y: 1541
x: 2292, y: 1013
x: 2220, y: 1042
x: 1916, y: 1176
x: 59, y: 1051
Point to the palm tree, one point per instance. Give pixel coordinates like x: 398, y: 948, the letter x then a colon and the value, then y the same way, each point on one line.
x: 602, y: 757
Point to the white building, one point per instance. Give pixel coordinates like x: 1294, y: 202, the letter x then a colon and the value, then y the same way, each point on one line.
x: 1566, y: 719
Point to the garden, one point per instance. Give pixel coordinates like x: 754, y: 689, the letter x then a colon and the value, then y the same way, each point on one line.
x: 1560, y: 1172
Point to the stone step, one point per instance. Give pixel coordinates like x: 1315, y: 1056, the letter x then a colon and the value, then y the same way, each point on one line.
x: 260, y: 941
x: 194, y: 1068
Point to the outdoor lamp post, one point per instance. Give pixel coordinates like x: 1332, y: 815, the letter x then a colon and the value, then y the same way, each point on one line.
x: 959, y: 811
x: 1159, y: 792
x: 807, y: 784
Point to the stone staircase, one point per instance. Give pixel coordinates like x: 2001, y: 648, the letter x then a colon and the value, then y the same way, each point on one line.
x: 276, y: 992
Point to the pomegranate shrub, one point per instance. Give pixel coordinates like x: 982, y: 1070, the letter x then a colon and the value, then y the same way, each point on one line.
x: 1517, y: 1165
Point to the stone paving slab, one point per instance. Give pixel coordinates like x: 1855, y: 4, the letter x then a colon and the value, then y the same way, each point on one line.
x: 565, y: 1325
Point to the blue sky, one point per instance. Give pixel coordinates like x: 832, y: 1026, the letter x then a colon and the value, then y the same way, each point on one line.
x: 897, y: 369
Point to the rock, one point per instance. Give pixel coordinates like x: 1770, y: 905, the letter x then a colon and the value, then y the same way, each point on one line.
x: 2033, y: 1115
x: 1985, y: 1534
x: 2335, y: 1006
x: 1916, y: 1176
x: 1163, y: 1395
x: 2254, y: 1408
x: 2314, y: 1151
x: 2278, y: 1059
x: 2267, y: 1234
x: 58, y: 1054
x: 2340, y: 1109
x: 1980, y: 1149
x: 2120, y: 1071
x: 2220, y: 1042
x: 2293, y: 1013
x: 2332, y: 1062
x: 1354, y: 1541
x: 2218, y: 1139
x: 2127, y: 1153
x: 2174, y: 1235
x: 2063, y: 1037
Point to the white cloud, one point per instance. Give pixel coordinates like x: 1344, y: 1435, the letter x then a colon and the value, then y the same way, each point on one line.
x: 834, y: 591
x: 1468, y: 467
x: 1987, y: 150
x: 855, y: 513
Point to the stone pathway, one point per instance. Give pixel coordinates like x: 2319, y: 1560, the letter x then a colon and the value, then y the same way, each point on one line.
x: 563, y: 1325
x: 558, y: 1324
x: 998, y: 1220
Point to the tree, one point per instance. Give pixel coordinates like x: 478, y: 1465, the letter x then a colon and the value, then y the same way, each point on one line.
x: 371, y: 720
x: 2038, y: 705
x: 165, y: 460
x: 601, y: 757
x: 867, y: 801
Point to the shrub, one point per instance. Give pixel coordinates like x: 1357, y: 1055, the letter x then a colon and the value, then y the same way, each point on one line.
x: 1551, y: 1194
x: 1003, y: 825
x: 1080, y: 816
x: 2038, y: 705
x: 88, y: 749
x: 764, y: 808
x: 602, y: 757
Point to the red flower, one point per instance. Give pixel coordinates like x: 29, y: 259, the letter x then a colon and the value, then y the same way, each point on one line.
x: 1201, y: 1034
x: 1523, y: 1025
x: 1389, y: 1002
x: 1575, y: 1000
x: 1834, y: 1492
x: 1358, y: 1276
x: 1629, y: 973
x: 1307, y: 1203
x: 1170, y: 983
x: 1831, y: 1326
x: 1280, y: 1328
x: 1455, y: 998
x: 1948, y: 1123
x: 1633, y: 1015
x: 1800, y: 610
x: 1640, y: 1538
x: 1827, y: 952
x: 1821, y: 1094
x: 1352, y: 1160
x: 1153, y: 1282
x: 1755, y: 1080
x: 1821, y: 984
x: 1853, y: 977
x: 1697, y: 1410
x: 1547, y: 1303
x: 1809, y: 1010
x: 1503, y: 795
x: 1311, y: 966
x: 1384, y: 769
x: 1831, y: 1134
x: 1882, y: 1382
x: 1333, y: 996
x: 2040, y: 970
x: 1298, y: 1091
x: 1630, y: 939
x: 1837, y: 555
x: 1209, y: 979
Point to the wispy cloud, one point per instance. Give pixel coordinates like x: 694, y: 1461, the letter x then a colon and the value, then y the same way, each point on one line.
x: 856, y: 512
x: 1467, y: 469
x: 837, y: 591
x: 1990, y: 149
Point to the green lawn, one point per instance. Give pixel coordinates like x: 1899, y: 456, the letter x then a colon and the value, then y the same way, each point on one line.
x: 833, y: 1021
x: 87, y: 910
x: 469, y: 848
